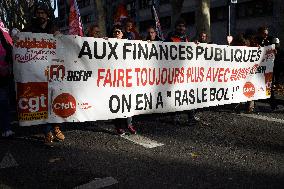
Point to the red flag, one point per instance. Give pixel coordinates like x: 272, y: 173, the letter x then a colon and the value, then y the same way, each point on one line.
x: 5, y: 32
x: 75, y: 24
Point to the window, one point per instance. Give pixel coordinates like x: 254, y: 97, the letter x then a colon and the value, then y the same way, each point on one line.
x: 254, y: 9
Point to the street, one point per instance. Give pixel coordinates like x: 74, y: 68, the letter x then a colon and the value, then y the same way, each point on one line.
x: 226, y: 150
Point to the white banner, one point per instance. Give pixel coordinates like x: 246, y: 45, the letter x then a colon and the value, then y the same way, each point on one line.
x: 76, y: 79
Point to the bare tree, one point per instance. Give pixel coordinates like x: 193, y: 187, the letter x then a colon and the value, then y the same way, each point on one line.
x: 17, y: 13
x: 176, y: 11
x: 203, y: 17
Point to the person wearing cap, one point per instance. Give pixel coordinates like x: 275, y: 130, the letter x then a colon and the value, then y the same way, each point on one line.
x: 179, y: 35
x: 42, y: 23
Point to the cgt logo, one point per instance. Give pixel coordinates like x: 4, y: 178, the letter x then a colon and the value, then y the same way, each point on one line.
x: 64, y: 105
x: 32, y: 97
x: 249, y: 89
x: 33, y: 104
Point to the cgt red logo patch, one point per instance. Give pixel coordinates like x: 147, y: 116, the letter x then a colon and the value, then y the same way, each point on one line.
x: 32, y: 101
x: 249, y: 89
x: 64, y: 105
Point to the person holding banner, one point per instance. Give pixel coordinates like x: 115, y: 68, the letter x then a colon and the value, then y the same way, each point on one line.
x: 42, y: 24
x: 263, y: 38
x: 248, y: 40
x: 152, y: 34
x: 130, y: 31
x: 179, y: 35
x: 122, y: 123
x: 277, y: 70
x: 94, y: 31
x: 5, y: 76
x: 202, y: 38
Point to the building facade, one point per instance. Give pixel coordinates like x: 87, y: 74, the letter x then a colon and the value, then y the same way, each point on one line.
x: 247, y: 15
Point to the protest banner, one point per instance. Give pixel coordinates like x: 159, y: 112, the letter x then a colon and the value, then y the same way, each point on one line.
x: 77, y: 79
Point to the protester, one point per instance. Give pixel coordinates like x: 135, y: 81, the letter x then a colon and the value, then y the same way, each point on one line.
x: 277, y: 70
x: 130, y: 30
x: 278, y: 62
x: 152, y: 34
x: 122, y: 123
x: 94, y: 31
x: 130, y: 35
x: 244, y: 40
x: 240, y: 40
x: 179, y: 35
x: 202, y: 38
x: 250, y: 35
x: 41, y: 23
x: 5, y: 77
x: 263, y: 38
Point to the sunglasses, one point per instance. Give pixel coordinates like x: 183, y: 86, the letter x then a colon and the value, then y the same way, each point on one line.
x: 116, y: 31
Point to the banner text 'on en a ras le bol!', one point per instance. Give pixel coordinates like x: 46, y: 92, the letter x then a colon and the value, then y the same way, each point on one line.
x: 76, y: 79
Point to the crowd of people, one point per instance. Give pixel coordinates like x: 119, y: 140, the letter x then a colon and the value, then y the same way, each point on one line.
x: 42, y: 24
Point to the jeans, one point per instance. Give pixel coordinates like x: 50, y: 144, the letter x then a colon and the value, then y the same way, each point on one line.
x: 4, y: 109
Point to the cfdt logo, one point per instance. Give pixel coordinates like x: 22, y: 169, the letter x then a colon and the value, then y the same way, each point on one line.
x: 249, y: 89
x: 64, y: 105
